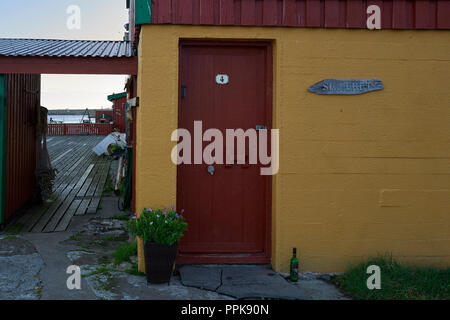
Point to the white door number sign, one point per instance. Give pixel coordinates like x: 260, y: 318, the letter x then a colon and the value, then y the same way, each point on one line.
x: 222, y: 79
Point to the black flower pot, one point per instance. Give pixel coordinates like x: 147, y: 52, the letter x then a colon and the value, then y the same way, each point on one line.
x: 159, y: 260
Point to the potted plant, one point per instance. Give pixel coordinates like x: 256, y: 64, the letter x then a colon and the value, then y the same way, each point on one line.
x: 160, y: 229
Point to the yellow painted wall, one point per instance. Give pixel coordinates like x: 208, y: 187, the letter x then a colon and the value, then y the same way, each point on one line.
x: 359, y: 175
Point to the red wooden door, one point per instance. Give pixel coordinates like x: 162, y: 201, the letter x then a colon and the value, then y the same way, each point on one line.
x: 228, y: 212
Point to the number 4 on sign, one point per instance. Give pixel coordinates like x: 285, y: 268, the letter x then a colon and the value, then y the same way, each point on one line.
x: 222, y: 79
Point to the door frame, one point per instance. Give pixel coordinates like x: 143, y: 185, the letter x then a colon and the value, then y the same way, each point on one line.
x: 236, y: 258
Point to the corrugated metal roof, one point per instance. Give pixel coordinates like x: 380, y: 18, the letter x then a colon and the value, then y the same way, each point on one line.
x: 395, y: 14
x: 65, y: 48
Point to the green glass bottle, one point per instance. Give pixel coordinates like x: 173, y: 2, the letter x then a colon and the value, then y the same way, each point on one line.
x: 294, y: 267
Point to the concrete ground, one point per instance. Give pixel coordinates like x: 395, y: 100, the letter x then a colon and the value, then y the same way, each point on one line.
x: 33, y: 266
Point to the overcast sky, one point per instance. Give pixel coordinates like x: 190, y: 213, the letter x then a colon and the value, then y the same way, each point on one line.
x: 47, y: 19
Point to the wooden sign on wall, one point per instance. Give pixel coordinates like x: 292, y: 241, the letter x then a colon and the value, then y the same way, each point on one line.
x: 346, y: 86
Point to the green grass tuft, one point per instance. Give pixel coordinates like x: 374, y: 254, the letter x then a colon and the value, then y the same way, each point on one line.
x: 124, y: 252
x: 100, y: 270
x: 117, y: 239
x: 76, y: 237
x: 38, y: 292
x: 134, y: 270
x: 398, y: 282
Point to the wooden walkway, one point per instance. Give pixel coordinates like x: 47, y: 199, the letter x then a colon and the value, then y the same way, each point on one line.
x: 78, y: 185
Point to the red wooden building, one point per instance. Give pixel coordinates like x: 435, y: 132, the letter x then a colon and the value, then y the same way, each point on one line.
x: 19, y: 105
x: 103, y: 116
x: 119, y: 101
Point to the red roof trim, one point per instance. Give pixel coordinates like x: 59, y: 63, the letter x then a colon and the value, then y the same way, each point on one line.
x: 69, y: 65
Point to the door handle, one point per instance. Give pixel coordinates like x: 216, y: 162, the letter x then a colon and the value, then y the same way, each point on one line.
x: 211, y: 170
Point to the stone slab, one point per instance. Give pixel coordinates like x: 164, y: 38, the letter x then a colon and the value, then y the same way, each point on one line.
x: 20, y: 265
x: 241, y: 282
x: 12, y: 246
x: 257, y: 282
x: 208, y: 278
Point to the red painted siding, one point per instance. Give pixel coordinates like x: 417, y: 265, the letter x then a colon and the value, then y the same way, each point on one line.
x: 119, y: 114
x: 23, y: 100
x: 396, y: 14
x: 132, y: 92
x: 134, y: 34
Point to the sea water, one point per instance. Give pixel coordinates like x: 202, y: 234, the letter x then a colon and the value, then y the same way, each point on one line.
x: 68, y: 118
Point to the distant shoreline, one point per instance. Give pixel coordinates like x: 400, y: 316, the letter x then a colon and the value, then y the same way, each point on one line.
x: 74, y: 112
x: 68, y: 118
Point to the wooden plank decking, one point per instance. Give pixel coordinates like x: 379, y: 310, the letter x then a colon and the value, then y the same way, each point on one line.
x: 78, y: 185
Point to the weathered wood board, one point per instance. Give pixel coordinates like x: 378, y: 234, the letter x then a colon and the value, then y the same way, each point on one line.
x: 78, y: 185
